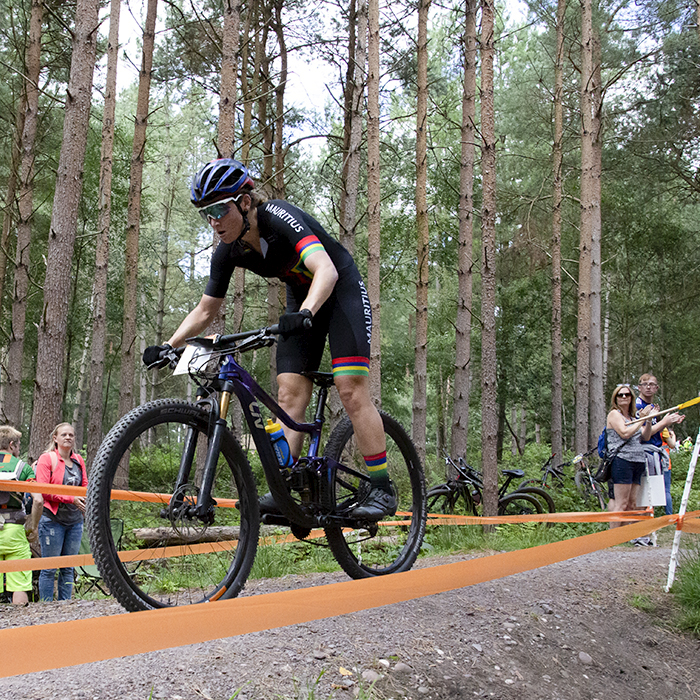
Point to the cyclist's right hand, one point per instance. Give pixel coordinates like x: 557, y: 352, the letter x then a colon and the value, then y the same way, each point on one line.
x: 156, y: 355
x: 295, y: 322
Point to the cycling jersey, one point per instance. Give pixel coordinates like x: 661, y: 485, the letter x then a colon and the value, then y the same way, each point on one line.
x: 288, y: 236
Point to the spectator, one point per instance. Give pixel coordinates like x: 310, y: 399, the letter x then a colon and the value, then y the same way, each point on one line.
x: 655, y: 453
x: 61, y: 525
x: 624, y: 441
x: 16, y: 529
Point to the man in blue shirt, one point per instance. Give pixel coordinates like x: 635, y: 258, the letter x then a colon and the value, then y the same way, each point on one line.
x: 654, y: 447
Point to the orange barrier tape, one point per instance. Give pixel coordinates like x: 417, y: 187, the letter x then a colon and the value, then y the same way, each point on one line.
x: 584, y: 517
x: 38, y: 564
x: 116, y: 494
x: 690, y: 525
x: 98, y: 639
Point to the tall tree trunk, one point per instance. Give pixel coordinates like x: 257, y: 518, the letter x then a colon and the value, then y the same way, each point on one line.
x: 348, y: 94
x: 78, y: 410
x: 587, y: 206
x: 556, y: 427
x: 465, y: 260
x: 248, y: 93
x: 48, y: 401
x: 266, y: 128
x: 264, y: 85
x: 279, y: 188
x: 99, y: 289
x: 420, y: 374
x: 374, y: 199
x: 489, y: 394
x: 229, y: 71
x: 10, y: 209
x: 133, y: 218
x: 597, y: 410
x: 352, y: 132
x: 12, y: 396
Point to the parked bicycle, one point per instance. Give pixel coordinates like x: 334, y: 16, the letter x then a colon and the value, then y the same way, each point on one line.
x: 464, y: 492
x: 591, y: 491
x: 553, y: 476
x: 191, y: 533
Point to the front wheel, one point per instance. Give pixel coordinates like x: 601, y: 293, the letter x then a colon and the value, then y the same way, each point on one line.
x: 394, y: 545
x: 450, y: 500
x: 519, y: 504
x: 167, y: 557
x: 541, y: 495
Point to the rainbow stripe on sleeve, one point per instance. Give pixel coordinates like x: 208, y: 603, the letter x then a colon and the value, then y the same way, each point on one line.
x: 308, y: 246
x: 345, y: 366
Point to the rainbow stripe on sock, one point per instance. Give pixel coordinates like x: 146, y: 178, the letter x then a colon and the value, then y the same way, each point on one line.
x: 376, y: 464
x: 345, y: 366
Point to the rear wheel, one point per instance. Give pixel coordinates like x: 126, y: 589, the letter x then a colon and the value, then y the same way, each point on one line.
x: 169, y: 557
x: 592, y: 493
x: 394, y: 544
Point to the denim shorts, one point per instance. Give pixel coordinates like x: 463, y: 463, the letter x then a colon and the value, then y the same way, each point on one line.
x: 624, y: 472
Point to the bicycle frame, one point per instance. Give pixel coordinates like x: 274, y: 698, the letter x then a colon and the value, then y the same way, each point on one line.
x: 234, y: 379
x: 472, y: 476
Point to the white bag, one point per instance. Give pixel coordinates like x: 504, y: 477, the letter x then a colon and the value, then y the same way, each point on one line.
x: 652, y: 491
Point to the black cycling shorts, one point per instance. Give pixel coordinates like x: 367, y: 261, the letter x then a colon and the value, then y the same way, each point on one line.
x: 345, y: 319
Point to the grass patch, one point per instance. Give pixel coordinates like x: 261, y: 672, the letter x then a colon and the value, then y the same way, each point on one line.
x: 642, y: 602
x: 275, y: 560
x: 686, y: 588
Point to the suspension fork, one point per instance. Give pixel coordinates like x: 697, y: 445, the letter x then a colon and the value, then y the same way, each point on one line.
x: 205, y: 502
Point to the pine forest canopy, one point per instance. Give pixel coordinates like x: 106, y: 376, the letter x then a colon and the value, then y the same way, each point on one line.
x: 294, y: 66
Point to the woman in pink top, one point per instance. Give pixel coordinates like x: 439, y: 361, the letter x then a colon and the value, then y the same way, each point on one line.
x: 61, y: 524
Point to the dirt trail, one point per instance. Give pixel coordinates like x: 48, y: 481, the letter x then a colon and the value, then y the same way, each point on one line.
x: 592, y: 627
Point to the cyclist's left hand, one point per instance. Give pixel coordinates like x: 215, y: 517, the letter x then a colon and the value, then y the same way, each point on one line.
x: 296, y: 322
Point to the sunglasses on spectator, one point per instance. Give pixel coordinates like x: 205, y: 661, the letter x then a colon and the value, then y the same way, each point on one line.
x: 625, y: 395
x: 218, y: 209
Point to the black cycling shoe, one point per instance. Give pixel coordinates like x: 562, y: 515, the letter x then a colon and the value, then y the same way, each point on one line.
x: 267, y: 505
x: 379, y: 504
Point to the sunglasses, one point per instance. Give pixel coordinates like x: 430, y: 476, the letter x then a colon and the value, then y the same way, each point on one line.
x: 218, y: 209
x: 625, y: 395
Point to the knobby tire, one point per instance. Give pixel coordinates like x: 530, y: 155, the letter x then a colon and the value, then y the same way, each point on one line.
x: 393, y: 548
x: 142, y: 453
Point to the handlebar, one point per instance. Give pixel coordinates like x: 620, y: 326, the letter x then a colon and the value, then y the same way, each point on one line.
x: 234, y: 342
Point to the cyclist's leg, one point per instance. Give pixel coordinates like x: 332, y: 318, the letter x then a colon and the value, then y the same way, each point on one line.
x: 349, y: 334
x: 297, y: 354
x: 294, y: 396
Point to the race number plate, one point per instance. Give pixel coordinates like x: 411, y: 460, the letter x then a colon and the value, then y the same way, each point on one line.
x: 193, y: 359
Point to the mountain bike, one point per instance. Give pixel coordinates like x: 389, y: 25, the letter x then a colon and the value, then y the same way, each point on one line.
x: 191, y: 527
x: 552, y: 475
x: 590, y: 489
x: 465, y: 492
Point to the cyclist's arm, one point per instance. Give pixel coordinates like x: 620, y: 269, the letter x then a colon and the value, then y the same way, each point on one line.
x: 325, y: 277
x: 196, y: 320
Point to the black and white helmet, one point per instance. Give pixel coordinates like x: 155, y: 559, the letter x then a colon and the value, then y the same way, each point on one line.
x: 222, y: 176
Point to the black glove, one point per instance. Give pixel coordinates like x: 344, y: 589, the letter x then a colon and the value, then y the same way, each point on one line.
x: 293, y: 323
x: 153, y: 355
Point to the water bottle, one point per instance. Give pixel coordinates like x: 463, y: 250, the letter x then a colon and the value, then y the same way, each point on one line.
x: 279, y: 443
